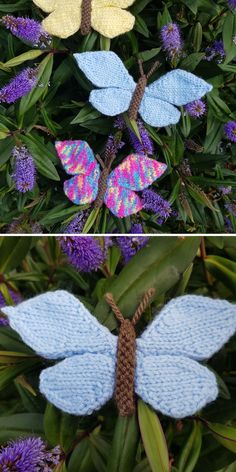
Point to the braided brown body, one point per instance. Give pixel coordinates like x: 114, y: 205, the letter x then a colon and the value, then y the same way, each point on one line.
x: 125, y: 369
x: 102, y: 186
x: 137, y: 98
x: 86, y: 13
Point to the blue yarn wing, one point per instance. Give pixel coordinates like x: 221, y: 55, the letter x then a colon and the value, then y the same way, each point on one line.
x: 174, y: 385
x: 157, y: 113
x: 192, y: 326
x: 178, y: 87
x: 80, y: 384
x: 106, y: 70
x: 58, y: 325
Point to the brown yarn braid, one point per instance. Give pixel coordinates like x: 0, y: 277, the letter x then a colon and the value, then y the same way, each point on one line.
x: 139, y: 90
x: 126, y: 355
x: 86, y: 13
x: 102, y: 183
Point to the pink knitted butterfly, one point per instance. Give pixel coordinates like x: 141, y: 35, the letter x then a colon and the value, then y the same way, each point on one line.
x: 117, y: 188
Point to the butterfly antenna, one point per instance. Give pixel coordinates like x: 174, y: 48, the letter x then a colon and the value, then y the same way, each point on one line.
x: 99, y: 159
x: 143, y: 305
x: 110, y: 300
x: 140, y: 63
x: 153, y: 69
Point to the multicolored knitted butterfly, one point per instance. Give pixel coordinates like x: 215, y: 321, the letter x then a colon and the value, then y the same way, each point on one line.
x: 108, y: 17
x: 115, y: 189
x: 166, y: 372
x: 119, y: 93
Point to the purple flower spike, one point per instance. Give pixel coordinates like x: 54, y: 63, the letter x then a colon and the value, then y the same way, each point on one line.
x: 231, y: 207
x: 27, y: 30
x: 155, y: 203
x: 146, y: 144
x: 130, y: 245
x: 232, y: 4
x: 216, y: 50
x: 24, y: 174
x: 29, y: 455
x: 171, y: 39
x: 22, y: 84
x: 196, y: 108
x: 84, y: 253
x: 16, y: 298
x: 230, y: 131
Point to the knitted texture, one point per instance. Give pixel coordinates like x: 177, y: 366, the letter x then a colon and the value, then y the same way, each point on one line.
x: 107, y: 17
x: 117, y: 190
x: 118, y: 89
x: 56, y: 325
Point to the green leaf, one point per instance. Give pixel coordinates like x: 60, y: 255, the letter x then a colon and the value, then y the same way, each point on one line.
x: 124, y: 445
x: 60, y: 428
x: 21, y: 425
x: 191, y: 451
x: 42, y: 156
x: 225, y: 435
x: 153, y: 438
x: 12, y: 252
x: 81, y: 460
x: 26, y: 56
x: 159, y: 264
x: 229, y: 33
x: 222, y: 269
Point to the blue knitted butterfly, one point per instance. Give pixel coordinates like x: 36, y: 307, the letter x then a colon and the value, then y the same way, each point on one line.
x: 167, y: 375
x: 119, y: 92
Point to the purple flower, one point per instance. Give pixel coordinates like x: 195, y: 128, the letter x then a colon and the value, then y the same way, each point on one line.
x: 29, y: 455
x: 77, y: 224
x: 225, y: 190
x: 196, y: 108
x: 228, y: 225
x: 24, y: 174
x: 113, y: 145
x: 145, y: 146
x: 22, y: 84
x: 154, y: 202
x: 16, y: 298
x: 231, y: 207
x: 27, y: 29
x: 84, y: 253
x: 232, y: 4
x: 130, y: 245
x: 216, y: 50
x: 171, y: 39
x: 230, y: 130
x: 119, y: 123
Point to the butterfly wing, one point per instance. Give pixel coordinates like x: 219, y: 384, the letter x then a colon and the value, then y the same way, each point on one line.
x: 62, y: 22
x: 78, y: 158
x: 135, y: 173
x: 110, y: 20
x: 57, y: 325
x: 174, y: 385
x: 111, y: 101
x: 192, y: 326
x: 178, y: 87
x: 80, y: 384
x: 158, y: 113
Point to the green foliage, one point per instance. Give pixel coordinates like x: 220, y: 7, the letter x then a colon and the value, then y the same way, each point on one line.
x: 148, y: 441
x: 58, y: 109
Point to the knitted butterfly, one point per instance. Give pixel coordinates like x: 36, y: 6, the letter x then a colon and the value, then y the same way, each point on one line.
x: 108, y: 17
x: 115, y: 189
x: 119, y: 93
x: 161, y: 366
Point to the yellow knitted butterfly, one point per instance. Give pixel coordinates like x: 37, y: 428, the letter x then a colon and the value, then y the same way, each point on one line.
x: 108, y: 17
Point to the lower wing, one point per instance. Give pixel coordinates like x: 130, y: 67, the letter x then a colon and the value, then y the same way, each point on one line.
x: 81, y: 189
x: 112, y: 21
x: 158, y: 113
x: 80, y: 384
x: 176, y: 386
x: 111, y: 101
x: 122, y: 201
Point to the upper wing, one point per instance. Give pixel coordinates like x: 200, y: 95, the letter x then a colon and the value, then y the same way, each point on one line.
x: 57, y: 325
x: 178, y: 87
x: 112, y: 101
x: 192, y: 326
x: 122, y: 201
x: 63, y: 21
x: 158, y: 113
x: 81, y: 189
x: 112, y: 21
x: 136, y: 172
x: 77, y: 158
x: 80, y: 384
x: 174, y: 385
x: 105, y: 69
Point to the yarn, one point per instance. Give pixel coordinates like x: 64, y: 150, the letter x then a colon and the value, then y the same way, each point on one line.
x: 167, y: 375
x: 107, y: 17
